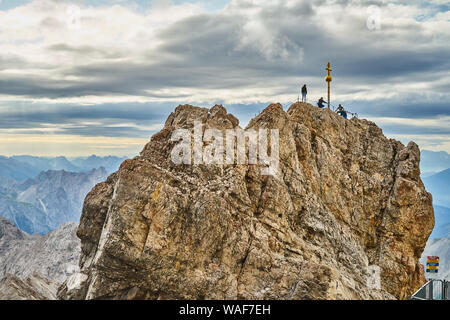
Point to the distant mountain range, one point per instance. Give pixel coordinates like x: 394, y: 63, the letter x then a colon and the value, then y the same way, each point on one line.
x: 442, y: 223
x: 13, y: 169
x: 40, y: 193
x: 20, y: 168
x: 432, y: 162
x: 110, y: 163
x: 52, y: 198
x: 439, y: 186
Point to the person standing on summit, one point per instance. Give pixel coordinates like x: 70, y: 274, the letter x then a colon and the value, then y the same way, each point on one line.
x: 304, y: 93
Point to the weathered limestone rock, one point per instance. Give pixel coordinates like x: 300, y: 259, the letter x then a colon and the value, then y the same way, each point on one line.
x: 54, y: 255
x: 34, y: 287
x: 346, y: 198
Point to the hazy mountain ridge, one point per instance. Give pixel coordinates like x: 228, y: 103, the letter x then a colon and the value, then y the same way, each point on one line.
x: 22, y: 167
x: 16, y: 170
x: 442, y: 224
x: 38, y: 194
x: 439, y: 186
x: 24, y: 215
x: 110, y: 163
x: 432, y: 162
x: 44, y: 163
x: 52, y: 198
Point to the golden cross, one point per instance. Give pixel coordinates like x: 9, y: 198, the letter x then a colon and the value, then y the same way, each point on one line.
x: 328, y: 79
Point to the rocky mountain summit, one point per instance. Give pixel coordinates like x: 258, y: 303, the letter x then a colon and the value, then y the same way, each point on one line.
x: 346, y: 201
x: 54, y: 256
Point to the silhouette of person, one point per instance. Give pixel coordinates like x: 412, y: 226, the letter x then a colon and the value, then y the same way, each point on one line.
x: 304, y: 93
x: 321, y: 102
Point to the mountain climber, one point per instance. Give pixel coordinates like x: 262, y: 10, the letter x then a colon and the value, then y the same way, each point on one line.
x: 304, y: 93
x: 340, y: 110
x: 321, y: 102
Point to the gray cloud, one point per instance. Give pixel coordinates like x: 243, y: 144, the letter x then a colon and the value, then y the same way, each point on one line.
x: 398, y: 71
x: 84, y: 50
x: 221, y: 50
x: 110, y: 120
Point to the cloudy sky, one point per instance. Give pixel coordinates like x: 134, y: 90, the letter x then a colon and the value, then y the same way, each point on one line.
x: 101, y: 76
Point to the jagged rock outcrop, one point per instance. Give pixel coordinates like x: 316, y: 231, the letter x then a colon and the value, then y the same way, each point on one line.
x: 34, y: 287
x: 345, y: 198
x: 54, y: 255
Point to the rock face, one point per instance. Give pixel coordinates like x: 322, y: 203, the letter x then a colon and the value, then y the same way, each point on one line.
x: 54, y: 255
x: 34, y: 287
x: 345, y: 198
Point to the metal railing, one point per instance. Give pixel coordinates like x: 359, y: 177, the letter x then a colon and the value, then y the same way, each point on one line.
x: 434, y: 289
